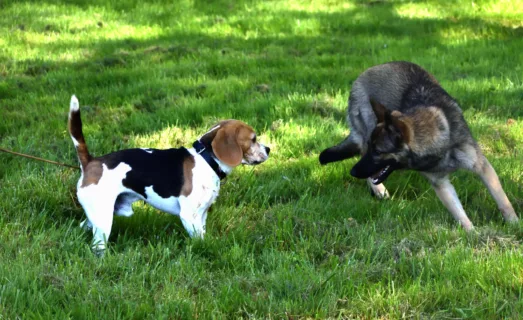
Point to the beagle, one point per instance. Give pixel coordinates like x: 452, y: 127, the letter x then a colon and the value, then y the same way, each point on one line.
x: 183, y: 182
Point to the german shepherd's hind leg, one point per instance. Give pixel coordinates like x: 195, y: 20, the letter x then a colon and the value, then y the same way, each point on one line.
x: 447, y: 194
x: 348, y: 148
x: 488, y: 175
x: 378, y: 190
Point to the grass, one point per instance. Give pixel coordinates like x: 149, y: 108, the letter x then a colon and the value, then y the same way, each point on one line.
x: 289, y: 238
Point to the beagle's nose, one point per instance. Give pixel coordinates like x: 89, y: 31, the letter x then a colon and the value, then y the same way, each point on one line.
x: 268, y: 150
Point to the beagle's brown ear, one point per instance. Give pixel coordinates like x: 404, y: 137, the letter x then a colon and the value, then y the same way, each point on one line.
x: 226, y: 147
x: 379, y: 110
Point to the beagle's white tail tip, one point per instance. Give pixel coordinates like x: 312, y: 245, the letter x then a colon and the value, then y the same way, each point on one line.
x: 75, y: 105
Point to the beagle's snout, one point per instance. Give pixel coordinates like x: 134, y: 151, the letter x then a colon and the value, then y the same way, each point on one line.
x: 267, y: 150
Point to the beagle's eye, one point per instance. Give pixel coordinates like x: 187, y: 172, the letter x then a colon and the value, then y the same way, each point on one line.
x: 254, y: 139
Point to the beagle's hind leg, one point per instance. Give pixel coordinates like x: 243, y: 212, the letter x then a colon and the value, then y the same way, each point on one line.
x: 124, y: 204
x: 86, y: 225
x: 99, y: 209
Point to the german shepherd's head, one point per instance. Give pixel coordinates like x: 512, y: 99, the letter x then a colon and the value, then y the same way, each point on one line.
x: 387, y: 149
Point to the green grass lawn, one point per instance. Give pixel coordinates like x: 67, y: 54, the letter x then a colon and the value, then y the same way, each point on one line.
x: 286, y: 239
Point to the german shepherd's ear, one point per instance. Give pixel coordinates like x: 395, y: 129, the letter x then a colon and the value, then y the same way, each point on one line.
x: 379, y: 110
x: 401, y: 126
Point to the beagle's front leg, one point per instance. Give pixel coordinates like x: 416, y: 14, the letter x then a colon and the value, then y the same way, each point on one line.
x: 194, y: 207
x: 193, y: 217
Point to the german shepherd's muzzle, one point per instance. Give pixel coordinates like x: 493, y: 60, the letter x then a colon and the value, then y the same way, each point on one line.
x: 371, y: 166
x: 383, y: 150
x: 401, y: 118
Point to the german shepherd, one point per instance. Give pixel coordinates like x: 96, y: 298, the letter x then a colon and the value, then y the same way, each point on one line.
x: 401, y: 118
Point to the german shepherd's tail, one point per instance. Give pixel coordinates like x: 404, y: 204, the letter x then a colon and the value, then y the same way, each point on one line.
x: 75, y: 130
x: 344, y: 150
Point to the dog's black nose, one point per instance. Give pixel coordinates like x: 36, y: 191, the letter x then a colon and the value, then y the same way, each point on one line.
x: 268, y: 150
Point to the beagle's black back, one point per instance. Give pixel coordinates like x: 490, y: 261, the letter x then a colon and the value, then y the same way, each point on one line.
x: 161, y: 169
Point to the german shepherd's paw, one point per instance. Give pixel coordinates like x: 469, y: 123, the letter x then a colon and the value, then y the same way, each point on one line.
x: 327, y: 156
x: 378, y: 191
x: 342, y: 151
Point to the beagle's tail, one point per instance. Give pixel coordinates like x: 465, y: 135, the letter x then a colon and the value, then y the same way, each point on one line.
x: 75, y: 130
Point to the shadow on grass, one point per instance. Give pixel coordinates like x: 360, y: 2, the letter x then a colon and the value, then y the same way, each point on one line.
x: 352, y: 39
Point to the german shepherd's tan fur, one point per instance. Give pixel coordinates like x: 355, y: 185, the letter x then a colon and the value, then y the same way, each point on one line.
x: 401, y: 118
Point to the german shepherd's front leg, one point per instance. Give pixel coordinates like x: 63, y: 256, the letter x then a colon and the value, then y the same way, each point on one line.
x: 447, y: 194
x: 489, y: 177
x: 379, y: 190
